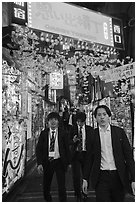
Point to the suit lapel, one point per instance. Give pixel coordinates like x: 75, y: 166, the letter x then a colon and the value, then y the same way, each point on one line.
x: 46, y: 140
x: 59, y: 139
x: 98, y: 143
x: 115, y: 142
x: 113, y: 138
x: 86, y: 137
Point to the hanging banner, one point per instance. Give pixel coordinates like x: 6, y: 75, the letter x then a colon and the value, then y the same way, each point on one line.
x: 56, y: 80
x: 125, y: 71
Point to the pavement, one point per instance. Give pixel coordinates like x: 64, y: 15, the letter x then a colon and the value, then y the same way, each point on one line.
x: 30, y: 189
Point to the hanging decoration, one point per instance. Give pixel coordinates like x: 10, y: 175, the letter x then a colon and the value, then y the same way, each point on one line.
x: 78, y: 60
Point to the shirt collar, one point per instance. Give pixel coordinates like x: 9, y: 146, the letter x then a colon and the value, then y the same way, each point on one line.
x: 81, y: 127
x: 107, y: 129
x: 53, y: 130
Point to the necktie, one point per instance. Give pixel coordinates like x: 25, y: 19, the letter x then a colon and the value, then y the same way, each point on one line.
x: 52, y: 142
x: 80, y: 140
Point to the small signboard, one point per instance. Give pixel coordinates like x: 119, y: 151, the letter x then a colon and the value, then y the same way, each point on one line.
x: 118, y: 33
x: 56, y: 80
x: 18, y: 13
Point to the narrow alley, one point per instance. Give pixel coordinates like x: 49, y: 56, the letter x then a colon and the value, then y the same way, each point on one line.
x: 68, y: 100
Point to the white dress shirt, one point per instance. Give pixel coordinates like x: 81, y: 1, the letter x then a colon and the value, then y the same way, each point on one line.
x: 83, y: 137
x: 70, y: 120
x: 107, y: 158
x: 56, y: 147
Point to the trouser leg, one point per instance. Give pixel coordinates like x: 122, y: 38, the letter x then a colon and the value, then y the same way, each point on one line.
x: 76, y: 175
x: 109, y: 188
x: 117, y: 189
x: 47, y: 179
x: 60, y: 175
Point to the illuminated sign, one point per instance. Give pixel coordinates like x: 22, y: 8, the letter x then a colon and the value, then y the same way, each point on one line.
x: 18, y: 12
x: 72, y: 21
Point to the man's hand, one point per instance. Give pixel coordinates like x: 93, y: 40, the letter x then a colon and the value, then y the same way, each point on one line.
x: 133, y: 187
x: 85, y: 186
x: 75, y: 139
x: 69, y: 166
x: 40, y: 169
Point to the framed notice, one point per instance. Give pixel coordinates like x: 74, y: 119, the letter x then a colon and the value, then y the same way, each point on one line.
x: 56, y: 80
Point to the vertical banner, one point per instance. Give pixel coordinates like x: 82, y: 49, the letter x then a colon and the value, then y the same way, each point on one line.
x: 118, y: 36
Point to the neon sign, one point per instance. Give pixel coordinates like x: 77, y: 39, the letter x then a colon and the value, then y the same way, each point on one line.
x: 75, y: 22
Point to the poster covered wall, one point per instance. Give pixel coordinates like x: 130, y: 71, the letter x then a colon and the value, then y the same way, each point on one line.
x: 13, y: 128
x: 121, y: 116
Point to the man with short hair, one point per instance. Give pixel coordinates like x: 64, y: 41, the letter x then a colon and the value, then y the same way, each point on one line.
x: 81, y: 140
x: 52, y: 153
x: 112, y: 157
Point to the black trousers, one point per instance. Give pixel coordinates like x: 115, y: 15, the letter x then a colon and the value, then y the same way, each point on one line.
x: 57, y: 167
x: 77, y: 172
x: 109, y: 187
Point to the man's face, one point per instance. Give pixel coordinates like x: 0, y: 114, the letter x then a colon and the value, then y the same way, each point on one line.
x: 53, y: 123
x: 102, y: 117
x: 80, y: 123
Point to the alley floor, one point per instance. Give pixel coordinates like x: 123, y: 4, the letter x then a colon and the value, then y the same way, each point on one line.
x: 30, y: 189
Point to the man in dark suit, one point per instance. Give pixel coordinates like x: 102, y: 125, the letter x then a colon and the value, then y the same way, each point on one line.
x: 52, y: 153
x: 112, y: 157
x: 81, y: 140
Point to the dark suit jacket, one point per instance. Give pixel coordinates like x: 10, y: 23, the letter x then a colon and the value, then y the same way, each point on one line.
x: 89, y: 138
x: 122, y: 155
x: 43, y: 146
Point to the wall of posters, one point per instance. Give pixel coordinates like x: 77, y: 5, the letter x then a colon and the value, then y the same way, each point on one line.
x: 121, y: 115
x: 13, y: 128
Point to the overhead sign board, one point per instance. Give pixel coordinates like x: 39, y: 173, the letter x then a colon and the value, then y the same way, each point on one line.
x: 72, y: 21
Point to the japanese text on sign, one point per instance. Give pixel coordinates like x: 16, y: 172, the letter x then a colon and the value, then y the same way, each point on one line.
x: 125, y: 71
x: 65, y: 19
x: 56, y: 80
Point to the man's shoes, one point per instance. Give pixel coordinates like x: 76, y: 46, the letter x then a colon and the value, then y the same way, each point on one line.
x: 78, y: 199
x: 84, y: 197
